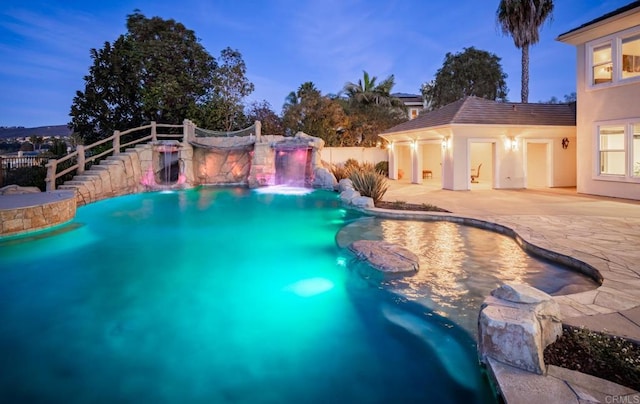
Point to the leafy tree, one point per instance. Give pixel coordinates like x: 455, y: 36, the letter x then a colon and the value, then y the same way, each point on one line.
x: 225, y: 110
x: 58, y: 148
x: 367, y: 123
x: 371, y: 108
x: 157, y: 71
x: 271, y: 122
x: 317, y: 115
x: 37, y: 141
x: 472, y: 72
x: 521, y: 19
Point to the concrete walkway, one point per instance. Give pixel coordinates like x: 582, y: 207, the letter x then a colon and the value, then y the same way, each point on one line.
x: 603, y: 233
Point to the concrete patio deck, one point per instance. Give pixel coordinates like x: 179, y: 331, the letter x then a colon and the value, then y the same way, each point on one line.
x: 604, y: 233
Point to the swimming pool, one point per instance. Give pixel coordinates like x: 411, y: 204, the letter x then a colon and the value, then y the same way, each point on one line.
x: 217, y: 295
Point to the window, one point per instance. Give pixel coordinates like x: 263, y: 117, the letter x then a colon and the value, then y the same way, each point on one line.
x: 602, y: 65
x: 614, y: 59
x: 612, y: 150
x: 631, y: 57
x: 619, y: 150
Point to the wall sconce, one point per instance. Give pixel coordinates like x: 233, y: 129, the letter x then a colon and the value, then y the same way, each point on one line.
x: 414, y: 145
x: 445, y: 143
x: 511, y: 143
x: 565, y: 143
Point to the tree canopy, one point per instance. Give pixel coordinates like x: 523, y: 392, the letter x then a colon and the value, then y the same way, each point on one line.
x: 521, y: 19
x: 371, y: 108
x: 472, y: 72
x: 308, y: 111
x: 224, y: 110
x: 158, y: 71
x: 271, y: 122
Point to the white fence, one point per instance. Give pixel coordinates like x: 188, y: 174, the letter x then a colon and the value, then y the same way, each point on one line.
x: 338, y: 155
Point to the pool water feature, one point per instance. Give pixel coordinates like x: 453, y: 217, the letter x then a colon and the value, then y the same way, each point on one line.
x: 216, y: 295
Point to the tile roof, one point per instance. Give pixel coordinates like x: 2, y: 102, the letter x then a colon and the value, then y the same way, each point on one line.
x: 480, y: 111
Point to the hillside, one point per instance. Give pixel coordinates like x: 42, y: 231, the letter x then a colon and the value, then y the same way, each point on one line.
x: 55, y: 130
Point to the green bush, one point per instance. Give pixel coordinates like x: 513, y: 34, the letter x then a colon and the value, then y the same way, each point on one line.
x: 369, y: 182
x: 383, y: 168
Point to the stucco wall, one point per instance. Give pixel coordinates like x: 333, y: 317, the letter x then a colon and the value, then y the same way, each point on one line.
x: 339, y: 155
x: 601, y: 105
x: 502, y: 164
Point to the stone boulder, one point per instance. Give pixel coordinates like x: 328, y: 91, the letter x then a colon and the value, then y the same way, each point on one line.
x: 324, y: 179
x: 386, y: 257
x: 348, y: 195
x: 18, y: 190
x: 516, y: 323
x: 344, y: 184
x: 363, y: 202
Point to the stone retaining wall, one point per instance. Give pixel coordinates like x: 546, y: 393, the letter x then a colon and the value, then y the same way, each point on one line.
x: 40, y: 215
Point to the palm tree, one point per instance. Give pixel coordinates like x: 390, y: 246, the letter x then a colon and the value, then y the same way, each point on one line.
x: 521, y: 19
x: 306, y: 89
x: 366, y: 91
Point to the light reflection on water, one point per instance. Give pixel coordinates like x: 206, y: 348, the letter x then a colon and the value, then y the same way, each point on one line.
x: 459, y: 265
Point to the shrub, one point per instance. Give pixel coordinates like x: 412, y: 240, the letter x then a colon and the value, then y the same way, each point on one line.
x: 352, y: 164
x: 369, y: 183
x: 383, y: 168
x: 340, y: 172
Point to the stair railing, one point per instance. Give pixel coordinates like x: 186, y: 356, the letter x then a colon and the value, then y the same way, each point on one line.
x: 83, y: 154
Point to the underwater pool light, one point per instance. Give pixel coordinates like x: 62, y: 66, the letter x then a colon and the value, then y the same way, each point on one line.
x: 310, y: 287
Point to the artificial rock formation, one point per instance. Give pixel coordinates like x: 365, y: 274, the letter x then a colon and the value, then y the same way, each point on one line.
x: 350, y: 196
x: 386, y: 257
x: 324, y: 179
x: 516, y: 323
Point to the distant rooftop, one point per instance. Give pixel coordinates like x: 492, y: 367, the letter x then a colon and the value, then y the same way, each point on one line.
x: 480, y: 111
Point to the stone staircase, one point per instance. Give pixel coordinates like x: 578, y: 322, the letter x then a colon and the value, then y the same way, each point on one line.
x: 116, y: 175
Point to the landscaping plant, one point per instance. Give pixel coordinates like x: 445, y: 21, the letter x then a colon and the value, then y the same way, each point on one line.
x: 369, y: 182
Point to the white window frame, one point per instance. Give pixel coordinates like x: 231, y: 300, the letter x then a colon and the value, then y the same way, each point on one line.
x: 615, y: 40
x: 628, y: 151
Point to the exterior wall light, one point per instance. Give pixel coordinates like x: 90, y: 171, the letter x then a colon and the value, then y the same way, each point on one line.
x: 511, y: 144
x: 445, y: 143
x: 414, y: 145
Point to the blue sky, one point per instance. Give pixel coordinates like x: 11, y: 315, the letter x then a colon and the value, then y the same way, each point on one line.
x: 44, y: 45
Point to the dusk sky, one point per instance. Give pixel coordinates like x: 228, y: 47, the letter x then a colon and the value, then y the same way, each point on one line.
x: 44, y: 45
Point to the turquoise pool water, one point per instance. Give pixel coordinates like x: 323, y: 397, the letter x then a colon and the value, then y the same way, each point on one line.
x: 216, y: 296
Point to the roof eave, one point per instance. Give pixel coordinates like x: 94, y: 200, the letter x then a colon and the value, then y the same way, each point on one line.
x: 576, y: 35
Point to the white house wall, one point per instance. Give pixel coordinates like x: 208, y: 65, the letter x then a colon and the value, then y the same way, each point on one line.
x: 612, y: 103
x: 506, y: 165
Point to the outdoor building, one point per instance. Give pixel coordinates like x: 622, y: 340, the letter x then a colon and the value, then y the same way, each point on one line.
x: 608, y: 98
x: 478, y: 143
x: 413, y: 102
